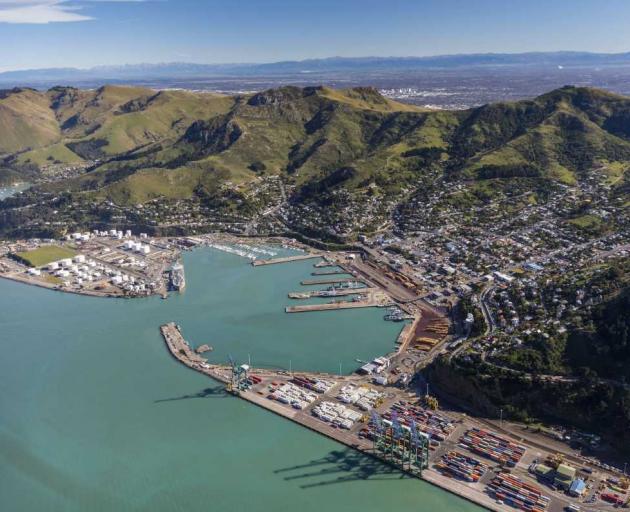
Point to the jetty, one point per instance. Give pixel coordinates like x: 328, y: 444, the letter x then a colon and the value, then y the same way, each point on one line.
x: 347, y: 304
x: 288, y: 259
x: 181, y: 350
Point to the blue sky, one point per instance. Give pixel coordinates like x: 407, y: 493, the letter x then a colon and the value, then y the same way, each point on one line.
x: 85, y: 33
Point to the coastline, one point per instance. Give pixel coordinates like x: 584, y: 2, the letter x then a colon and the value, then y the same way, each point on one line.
x: 56, y: 288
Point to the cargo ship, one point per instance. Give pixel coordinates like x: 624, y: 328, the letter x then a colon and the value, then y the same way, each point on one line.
x: 178, y: 280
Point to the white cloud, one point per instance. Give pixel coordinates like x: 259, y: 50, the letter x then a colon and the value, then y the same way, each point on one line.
x: 45, y: 11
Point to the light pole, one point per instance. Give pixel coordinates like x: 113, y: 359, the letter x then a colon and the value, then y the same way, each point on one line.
x: 501, y: 418
x: 339, y: 368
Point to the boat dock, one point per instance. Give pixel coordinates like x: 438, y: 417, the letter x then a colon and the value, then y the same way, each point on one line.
x: 326, y: 293
x: 331, y: 306
x: 274, y: 261
x: 331, y: 280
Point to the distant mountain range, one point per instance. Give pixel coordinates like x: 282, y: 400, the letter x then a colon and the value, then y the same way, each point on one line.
x: 315, y: 66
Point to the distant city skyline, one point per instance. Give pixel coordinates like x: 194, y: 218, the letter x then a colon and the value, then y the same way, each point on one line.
x: 87, y: 33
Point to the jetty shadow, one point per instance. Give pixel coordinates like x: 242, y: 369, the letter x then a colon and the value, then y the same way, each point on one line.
x: 215, y: 392
x: 338, y: 467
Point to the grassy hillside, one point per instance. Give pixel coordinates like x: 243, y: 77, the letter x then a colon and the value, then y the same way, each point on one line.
x: 68, y: 125
x: 26, y: 121
x: 330, y: 146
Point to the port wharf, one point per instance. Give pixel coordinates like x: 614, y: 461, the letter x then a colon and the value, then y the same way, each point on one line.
x: 346, y: 304
x: 182, y: 352
x: 274, y: 261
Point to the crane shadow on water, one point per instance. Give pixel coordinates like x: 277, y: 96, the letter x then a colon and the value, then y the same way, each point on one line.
x: 215, y: 392
x: 338, y: 467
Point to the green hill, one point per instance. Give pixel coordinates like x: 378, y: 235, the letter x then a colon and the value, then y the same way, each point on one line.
x: 330, y: 147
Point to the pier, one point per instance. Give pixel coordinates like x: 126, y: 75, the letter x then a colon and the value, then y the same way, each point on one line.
x: 288, y: 259
x: 181, y: 350
x: 331, y: 306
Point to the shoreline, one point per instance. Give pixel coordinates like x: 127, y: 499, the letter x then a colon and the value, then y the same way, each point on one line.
x: 55, y: 288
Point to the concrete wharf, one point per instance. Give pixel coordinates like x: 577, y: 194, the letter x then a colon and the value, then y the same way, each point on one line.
x: 274, y: 261
x: 331, y: 306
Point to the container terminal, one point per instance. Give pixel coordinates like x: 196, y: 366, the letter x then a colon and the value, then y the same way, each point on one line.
x: 406, y: 429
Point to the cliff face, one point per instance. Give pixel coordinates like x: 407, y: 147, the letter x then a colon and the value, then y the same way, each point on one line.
x: 210, y: 137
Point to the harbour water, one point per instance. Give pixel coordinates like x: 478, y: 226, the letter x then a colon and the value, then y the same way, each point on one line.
x: 12, y: 190
x: 95, y: 414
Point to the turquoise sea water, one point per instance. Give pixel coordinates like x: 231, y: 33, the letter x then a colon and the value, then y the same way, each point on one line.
x: 96, y: 416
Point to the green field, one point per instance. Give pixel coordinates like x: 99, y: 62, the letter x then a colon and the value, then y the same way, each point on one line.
x: 587, y: 222
x: 44, y: 255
